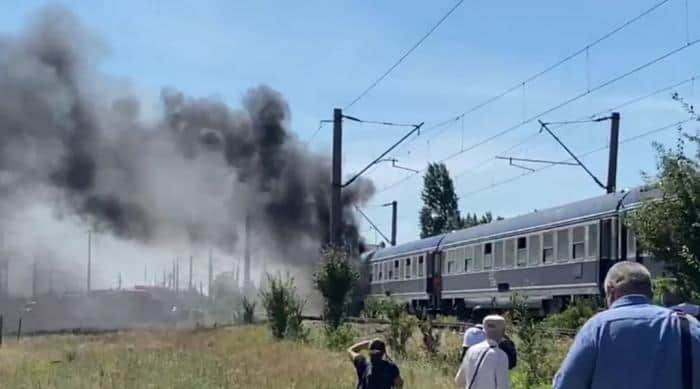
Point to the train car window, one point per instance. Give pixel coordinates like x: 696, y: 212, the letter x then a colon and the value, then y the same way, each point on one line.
x: 631, y: 244
x: 510, y: 253
x: 478, y: 256
x: 421, y: 270
x: 488, y: 256
x: 592, y: 240
x: 371, y: 277
x: 498, y: 254
x: 563, y: 245
x: 547, y: 247
x: 578, y: 248
x: 468, y: 262
x: 521, y: 253
x: 459, y: 259
x: 379, y: 276
x: 414, y: 271
x: 396, y: 269
x: 535, y: 243
x: 450, y: 266
x: 407, y: 268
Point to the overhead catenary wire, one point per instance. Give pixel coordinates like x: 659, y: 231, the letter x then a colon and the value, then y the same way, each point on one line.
x: 583, y: 155
x: 559, y: 105
x: 558, y: 63
x: 404, y: 56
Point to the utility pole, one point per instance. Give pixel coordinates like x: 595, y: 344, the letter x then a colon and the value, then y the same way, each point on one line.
x: 119, y: 281
x: 177, y: 274
x: 34, y: 285
x: 211, y: 274
x: 612, y: 160
x: 336, y: 177
x: 394, y: 205
x: 246, y: 256
x: 89, y: 264
x: 189, y: 283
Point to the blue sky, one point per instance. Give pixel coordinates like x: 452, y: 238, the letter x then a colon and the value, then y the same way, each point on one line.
x: 322, y: 54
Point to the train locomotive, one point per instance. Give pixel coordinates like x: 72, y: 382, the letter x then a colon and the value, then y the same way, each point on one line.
x: 549, y: 256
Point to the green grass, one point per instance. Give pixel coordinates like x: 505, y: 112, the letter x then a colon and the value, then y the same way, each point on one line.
x: 240, y: 357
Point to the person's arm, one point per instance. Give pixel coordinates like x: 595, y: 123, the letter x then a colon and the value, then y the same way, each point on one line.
x: 398, y: 382
x: 577, y: 369
x: 502, y: 376
x: 460, y: 378
x: 354, y: 350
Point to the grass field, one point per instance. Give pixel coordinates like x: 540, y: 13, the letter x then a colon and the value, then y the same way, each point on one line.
x: 241, y: 357
x: 238, y: 357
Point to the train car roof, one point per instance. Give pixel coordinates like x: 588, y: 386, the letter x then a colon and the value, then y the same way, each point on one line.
x: 569, y: 212
x: 406, y: 248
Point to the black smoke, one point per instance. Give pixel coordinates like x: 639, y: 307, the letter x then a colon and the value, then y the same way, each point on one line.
x: 194, y: 172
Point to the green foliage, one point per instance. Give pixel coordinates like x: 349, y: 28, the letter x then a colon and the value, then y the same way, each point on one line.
x: 535, y: 344
x: 473, y: 219
x: 375, y: 308
x: 575, y: 315
x: 440, y: 212
x: 401, y: 326
x: 431, y: 337
x: 669, y: 227
x: 247, y: 310
x: 283, y: 307
x: 339, y: 338
x: 335, y: 280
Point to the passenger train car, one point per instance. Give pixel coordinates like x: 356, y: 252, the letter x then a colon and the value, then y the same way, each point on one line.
x: 548, y: 255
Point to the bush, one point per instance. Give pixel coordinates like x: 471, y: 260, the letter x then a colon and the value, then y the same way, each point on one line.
x: 536, y: 343
x: 247, y: 310
x: 401, y: 326
x: 375, y: 308
x: 340, y: 337
x: 283, y: 307
x: 574, y: 316
x: 431, y: 337
x: 335, y: 280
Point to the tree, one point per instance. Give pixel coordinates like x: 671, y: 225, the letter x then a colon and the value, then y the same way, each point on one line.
x: 472, y: 220
x: 440, y: 212
x: 284, y: 307
x: 669, y: 227
x: 335, y: 280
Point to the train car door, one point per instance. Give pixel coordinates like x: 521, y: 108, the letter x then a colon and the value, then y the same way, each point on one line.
x: 434, y: 281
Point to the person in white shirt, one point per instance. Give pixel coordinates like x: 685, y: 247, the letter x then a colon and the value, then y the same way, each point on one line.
x: 472, y: 336
x: 486, y: 366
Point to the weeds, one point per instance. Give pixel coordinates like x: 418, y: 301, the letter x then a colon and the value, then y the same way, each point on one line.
x: 283, y: 307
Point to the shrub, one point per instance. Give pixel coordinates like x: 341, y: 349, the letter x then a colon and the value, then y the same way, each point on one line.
x: 536, y: 343
x: 375, y: 308
x: 401, y: 326
x: 335, y: 280
x: 283, y: 307
x: 340, y: 337
x: 574, y: 316
x: 247, y: 310
x: 431, y: 337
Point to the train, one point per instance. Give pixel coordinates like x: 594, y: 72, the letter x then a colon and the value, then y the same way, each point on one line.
x: 550, y: 257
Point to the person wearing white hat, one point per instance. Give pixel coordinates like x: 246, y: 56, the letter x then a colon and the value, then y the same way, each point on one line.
x: 485, y: 366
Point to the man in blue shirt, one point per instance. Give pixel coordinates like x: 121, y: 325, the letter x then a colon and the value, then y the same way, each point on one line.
x: 634, y: 344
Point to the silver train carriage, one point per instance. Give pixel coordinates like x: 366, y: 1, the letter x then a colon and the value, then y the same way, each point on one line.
x: 550, y: 256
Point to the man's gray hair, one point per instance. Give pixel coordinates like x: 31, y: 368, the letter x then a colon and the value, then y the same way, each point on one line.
x: 629, y: 278
x: 494, y: 327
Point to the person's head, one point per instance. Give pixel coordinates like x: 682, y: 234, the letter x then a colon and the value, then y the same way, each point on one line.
x: 377, y: 349
x: 626, y: 278
x: 494, y: 327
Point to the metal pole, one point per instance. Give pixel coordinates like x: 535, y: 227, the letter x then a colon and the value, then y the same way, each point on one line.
x: 34, y: 279
x: 336, y: 177
x: 246, y: 255
x: 211, y: 274
x: 612, y: 160
x: 89, y: 264
x: 19, y: 328
x: 1, y: 329
x: 189, y: 283
x: 394, y: 205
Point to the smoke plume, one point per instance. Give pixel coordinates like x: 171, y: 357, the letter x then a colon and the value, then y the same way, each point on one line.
x: 191, y: 174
